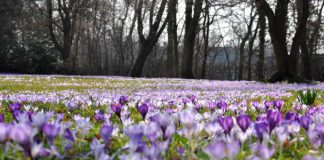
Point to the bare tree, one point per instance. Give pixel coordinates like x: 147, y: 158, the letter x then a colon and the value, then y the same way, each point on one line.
x: 172, y: 53
x: 286, y: 63
x: 193, y: 11
x: 155, y: 31
x: 262, y: 33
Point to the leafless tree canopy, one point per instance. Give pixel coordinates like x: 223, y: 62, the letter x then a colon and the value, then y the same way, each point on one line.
x: 273, y: 40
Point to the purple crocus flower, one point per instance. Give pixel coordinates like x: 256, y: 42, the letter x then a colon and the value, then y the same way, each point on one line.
x: 222, y: 105
x: 320, y: 109
x: 105, y: 133
x: 15, y: 106
x: 260, y: 151
x: 256, y: 105
x: 197, y: 107
x: 291, y: 116
x: 274, y: 119
x: 99, y: 116
x: 51, y: 131
x: 316, y: 136
x: 1, y: 118
x: 243, y: 121
x: 185, y: 101
x: 117, y: 108
x: 68, y: 135
x: 16, y: 114
x: 298, y: 108
x: 310, y: 111
x: 123, y: 100
x: 3, y: 131
x: 305, y: 121
x: 143, y: 109
x: 212, y: 106
x: 135, y: 132
x: 221, y: 150
x: 226, y: 123
x: 22, y: 134
x: 59, y: 117
x: 192, y: 98
x: 162, y: 119
x: 278, y: 104
x: 268, y: 104
x: 261, y: 128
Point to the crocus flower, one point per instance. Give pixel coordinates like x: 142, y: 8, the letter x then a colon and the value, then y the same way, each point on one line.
x: 221, y: 150
x: 274, y: 118
x: 243, y: 121
x: 212, y: 106
x: 163, y: 120
x: 226, y: 123
x: 123, y: 100
x: 316, y: 136
x: 1, y: 118
x: 72, y: 105
x: 98, y: 151
x: 304, y: 121
x: 187, y: 117
x: 268, y: 104
x: 51, y: 131
x: 153, y: 131
x: 59, y: 117
x: 310, y: 111
x: 192, y: 98
x: 99, y: 116
x: 143, y: 109
x: 291, y: 116
x: 3, y: 131
x: 185, y: 101
x: 105, y: 133
x: 39, y: 151
x: 40, y: 118
x: 256, y: 105
x: 222, y: 105
x: 261, y: 128
x: 15, y: 106
x: 117, y: 108
x: 83, y: 125
x: 22, y: 134
x: 69, y: 135
x: 278, y: 104
x: 260, y: 151
x: 135, y: 132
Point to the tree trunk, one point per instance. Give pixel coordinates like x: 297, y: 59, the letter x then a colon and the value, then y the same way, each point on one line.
x: 244, y: 40
x: 172, y: 40
x: 286, y: 64
x: 191, y: 24
x: 144, y: 52
x: 206, y: 41
x: 251, y: 43
x: 241, y: 63
x: 260, y: 64
x: 155, y: 31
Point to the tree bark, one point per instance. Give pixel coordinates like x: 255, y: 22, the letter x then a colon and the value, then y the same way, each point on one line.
x: 172, y: 55
x: 286, y: 63
x: 243, y: 42
x: 191, y: 24
x: 251, y: 50
x: 206, y: 40
x: 260, y: 63
x: 155, y: 31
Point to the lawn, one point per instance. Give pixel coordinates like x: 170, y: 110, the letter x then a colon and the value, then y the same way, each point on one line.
x: 76, y: 117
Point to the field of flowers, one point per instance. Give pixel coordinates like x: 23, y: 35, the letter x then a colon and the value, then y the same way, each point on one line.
x: 59, y: 117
